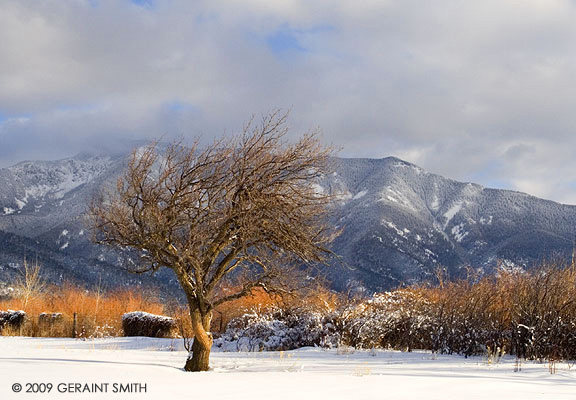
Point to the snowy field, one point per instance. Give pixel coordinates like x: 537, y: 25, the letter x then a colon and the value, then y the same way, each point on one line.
x: 295, y: 375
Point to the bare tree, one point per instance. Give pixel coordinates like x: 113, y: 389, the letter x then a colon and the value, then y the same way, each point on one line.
x: 244, y: 206
x: 30, y: 284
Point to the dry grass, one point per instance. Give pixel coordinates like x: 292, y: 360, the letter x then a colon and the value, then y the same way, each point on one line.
x: 531, y: 314
x: 97, y: 314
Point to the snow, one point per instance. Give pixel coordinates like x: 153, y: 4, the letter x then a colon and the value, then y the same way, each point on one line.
x: 459, y: 233
x: 435, y: 205
x: 417, y: 170
x: 56, y: 179
x: 430, y: 254
x: 306, y: 373
x: 344, y: 196
x: 144, y: 316
x: 37, y: 191
x: 359, y: 195
x: 451, y: 213
x: 318, y: 189
x: 64, y: 246
x: 396, y: 196
x: 440, y: 229
x: 391, y: 225
x: 8, y: 210
x: 21, y: 203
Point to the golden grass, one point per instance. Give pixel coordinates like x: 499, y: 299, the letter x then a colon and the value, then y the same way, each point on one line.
x: 97, y: 314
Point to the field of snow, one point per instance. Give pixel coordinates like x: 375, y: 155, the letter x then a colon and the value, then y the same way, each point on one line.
x: 301, y: 374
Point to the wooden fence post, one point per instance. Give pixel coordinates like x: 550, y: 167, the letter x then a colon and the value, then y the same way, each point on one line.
x: 74, y: 327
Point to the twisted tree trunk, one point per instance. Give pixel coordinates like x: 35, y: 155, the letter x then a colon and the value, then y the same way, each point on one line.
x: 199, y: 357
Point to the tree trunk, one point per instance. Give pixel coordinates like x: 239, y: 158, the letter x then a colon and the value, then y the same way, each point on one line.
x: 199, y: 357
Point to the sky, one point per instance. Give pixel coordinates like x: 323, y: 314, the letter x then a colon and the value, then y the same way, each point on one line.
x: 481, y: 91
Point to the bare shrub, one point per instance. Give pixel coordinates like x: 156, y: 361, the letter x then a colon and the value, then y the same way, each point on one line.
x: 30, y: 284
x: 530, y: 314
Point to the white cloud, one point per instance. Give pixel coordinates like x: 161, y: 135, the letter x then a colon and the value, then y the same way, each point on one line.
x: 476, y: 91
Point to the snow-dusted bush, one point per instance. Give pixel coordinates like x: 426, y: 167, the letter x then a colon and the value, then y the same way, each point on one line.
x: 396, y: 319
x: 453, y: 320
x: 12, y: 319
x: 530, y: 314
x: 393, y: 319
x: 49, y: 318
x: 6, y: 292
x: 140, y: 323
x: 543, y: 320
x: 104, y: 331
x: 51, y: 324
x: 280, y: 329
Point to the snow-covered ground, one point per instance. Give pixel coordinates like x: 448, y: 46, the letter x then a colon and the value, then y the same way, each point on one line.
x: 301, y: 374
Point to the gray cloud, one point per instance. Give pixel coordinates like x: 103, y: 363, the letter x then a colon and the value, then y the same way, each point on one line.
x: 478, y: 91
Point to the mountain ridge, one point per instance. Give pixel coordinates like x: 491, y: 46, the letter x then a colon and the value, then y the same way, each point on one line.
x: 399, y: 222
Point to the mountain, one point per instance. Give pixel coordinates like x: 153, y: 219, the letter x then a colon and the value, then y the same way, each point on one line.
x: 41, y: 208
x: 399, y: 224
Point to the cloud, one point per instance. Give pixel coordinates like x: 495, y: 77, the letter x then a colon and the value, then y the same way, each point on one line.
x: 481, y: 91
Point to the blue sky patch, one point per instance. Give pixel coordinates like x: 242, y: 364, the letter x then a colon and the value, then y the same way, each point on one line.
x: 287, y: 39
x: 284, y: 40
x: 7, y: 118
x: 491, y: 176
x: 143, y: 3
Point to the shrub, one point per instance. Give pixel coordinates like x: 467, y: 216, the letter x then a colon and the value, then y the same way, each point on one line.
x: 49, y: 318
x: 529, y: 314
x: 140, y: 323
x: 393, y: 319
x: 13, y: 320
x: 98, y: 314
x: 279, y: 329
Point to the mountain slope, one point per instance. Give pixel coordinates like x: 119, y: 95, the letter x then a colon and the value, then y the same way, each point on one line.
x: 399, y: 223
x: 41, y: 208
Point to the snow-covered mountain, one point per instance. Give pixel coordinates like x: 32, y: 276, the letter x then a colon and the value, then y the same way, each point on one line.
x: 399, y: 223
x: 41, y: 208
